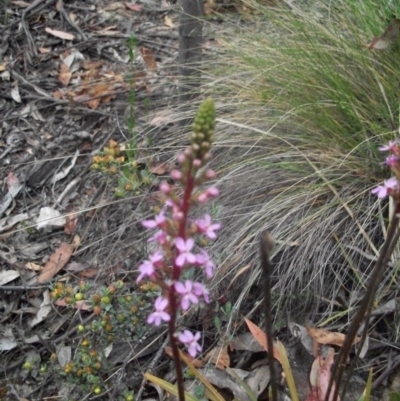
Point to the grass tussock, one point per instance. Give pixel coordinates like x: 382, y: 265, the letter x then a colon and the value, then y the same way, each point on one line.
x: 304, y: 105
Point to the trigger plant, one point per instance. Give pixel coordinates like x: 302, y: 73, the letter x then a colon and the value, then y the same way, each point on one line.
x: 174, y: 234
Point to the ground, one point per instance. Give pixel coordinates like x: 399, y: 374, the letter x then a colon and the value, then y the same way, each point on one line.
x: 82, y: 81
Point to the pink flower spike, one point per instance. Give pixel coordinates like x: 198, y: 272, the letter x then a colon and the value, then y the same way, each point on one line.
x: 187, y: 292
x: 159, y: 221
x: 392, y: 160
x: 201, y: 291
x: 159, y: 315
x: 191, y: 341
x: 148, y: 267
x: 203, y: 259
x: 207, y: 228
x: 387, y: 188
x: 392, y: 147
x: 184, y: 248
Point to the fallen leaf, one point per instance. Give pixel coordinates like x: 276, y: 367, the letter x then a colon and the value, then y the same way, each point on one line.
x: 7, y: 340
x: 71, y: 224
x: 160, y: 169
x: 44, y: 50
x: 219, y: 357
x: 261, y: 337
x: 8, y: 275
x: 328, y: 337
x: 134, y: 7
x: 168, y: 22
x: 44, y: 309
x: 22, y: 4
x: 389, y: 37
x: 160, y: 120
x: 15, y: 93
x: 148, y: 58
x: 33, y: 266
x: 64, y: 355
x: 88, y: 273
x: 91, y: 64
x: 65, y: 74
x: 49, y: 217
x: 118, y: 5
x: 58, y: 95
x: 60, y: 34
x: 9, y: 222
x: 325, y: 375
x: 57, y: 261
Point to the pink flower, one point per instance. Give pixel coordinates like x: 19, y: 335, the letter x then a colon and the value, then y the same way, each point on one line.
x: 177, y: 213
x: 210, y: 174
x: 176, y: 175
x: 184, y: 248
x: 392, y: 147
x: 159, y: 315
x: 160, y: 237
x: 165, y: 188
x: 191, y: 341
x: 159, y: 221
x: 206, y: 227
x: 203, y: 259
x: 187, y: 292
x: 208, y: 194
x: 387, y: 188
x: 392, y: 160
x: 148, y: 267
x: 200, y: 291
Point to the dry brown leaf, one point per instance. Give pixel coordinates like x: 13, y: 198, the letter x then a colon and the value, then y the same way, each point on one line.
x: 390, y: 36
x: 219, y: 357
x: 33, y: 266
x: 65, y: 74
x: 161, y: 169
x: 21, y: 4
x: 57, y: 261
x: 44, y: 50
x: 115, y: 6
x: 72, y: 222
x: 60, y: 34
x: 88, y: 273
x: 58, y: 95
x: 168, y: 22
x: 91, y: 64
x: 148, y: 58
x: 134, y: 7
x: 325, y: 337
x: 261, y: 337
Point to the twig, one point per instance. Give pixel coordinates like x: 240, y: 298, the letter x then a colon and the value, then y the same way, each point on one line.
x: 266, y: 245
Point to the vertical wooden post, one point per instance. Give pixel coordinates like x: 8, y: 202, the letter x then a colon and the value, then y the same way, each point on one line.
x: 190, y: 48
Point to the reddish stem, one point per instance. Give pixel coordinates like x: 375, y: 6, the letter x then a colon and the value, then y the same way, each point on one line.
x: 190, y: 181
